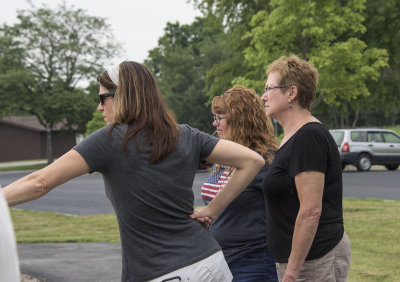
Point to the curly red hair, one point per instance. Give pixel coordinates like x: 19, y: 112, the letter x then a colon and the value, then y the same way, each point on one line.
x: 247, y: 120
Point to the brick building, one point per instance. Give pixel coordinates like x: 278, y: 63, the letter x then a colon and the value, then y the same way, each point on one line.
x: 24, y: 138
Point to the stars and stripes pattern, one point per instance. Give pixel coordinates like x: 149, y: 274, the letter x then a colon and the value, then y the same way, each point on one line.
x: 215, y: 182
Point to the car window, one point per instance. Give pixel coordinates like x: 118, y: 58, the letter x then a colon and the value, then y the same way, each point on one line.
x: 357, y: 136
x: 390, y: 137
x: 338, y: 136
x: 375, y: 137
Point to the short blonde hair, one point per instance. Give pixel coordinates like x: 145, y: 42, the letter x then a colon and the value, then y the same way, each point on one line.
x: 295, y: 71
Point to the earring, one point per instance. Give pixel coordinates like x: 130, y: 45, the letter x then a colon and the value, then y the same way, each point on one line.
x: 290, y: 105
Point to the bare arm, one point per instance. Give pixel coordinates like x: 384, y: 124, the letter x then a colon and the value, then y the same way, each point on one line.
x: 310, y: 187
x: 39, y: 183
x: 247, y: 164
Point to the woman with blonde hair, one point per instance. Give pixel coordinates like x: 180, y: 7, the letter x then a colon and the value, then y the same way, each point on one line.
x: 303, y: 187
x: 146, y: 160
x: 240, y: 229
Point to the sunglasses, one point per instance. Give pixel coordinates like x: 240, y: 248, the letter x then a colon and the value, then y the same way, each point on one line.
x: 104, y: 96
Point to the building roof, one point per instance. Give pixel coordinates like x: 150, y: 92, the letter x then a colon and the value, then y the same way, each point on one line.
x: 27, y: 122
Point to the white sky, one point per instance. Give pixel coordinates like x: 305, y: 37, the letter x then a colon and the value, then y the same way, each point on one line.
x: 137, y: 24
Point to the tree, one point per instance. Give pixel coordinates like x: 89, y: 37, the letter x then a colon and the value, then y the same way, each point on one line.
x: 180, y: 62
x: 48, y: 56
x: 326, y: 33
x: 383, y: 31
x: 95, y: 123
x: 235, y: 16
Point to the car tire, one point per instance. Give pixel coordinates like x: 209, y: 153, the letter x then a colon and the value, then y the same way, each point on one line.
x: 392, y: 166
x: 364, y: 162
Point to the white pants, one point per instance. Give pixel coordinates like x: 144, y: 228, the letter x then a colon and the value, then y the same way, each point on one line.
x: 211, y: 269
x: 9, y: 266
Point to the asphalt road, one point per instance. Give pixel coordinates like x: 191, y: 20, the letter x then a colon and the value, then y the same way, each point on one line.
x: 381, y: 184
x: 85, y: 195
x: 67, y: 262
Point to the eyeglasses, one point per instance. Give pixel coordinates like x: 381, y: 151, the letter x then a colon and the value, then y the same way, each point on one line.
x: 218, y: 118
x: 104, y: 96
x: 274, y: 87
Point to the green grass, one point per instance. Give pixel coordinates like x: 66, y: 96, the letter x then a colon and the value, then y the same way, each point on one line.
x: 37, y: 226
x: 373, y: 227
x: 23, y: 167
x: 395, y: 128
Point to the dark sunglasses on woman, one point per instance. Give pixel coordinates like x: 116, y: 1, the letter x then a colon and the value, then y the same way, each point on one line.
x: 104, y: 96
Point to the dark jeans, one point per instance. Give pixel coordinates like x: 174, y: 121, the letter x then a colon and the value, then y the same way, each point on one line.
x: 259, y: 266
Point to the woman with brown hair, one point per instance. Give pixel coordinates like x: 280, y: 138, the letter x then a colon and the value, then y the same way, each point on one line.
x: 240, y: 228
x: 146, y: 159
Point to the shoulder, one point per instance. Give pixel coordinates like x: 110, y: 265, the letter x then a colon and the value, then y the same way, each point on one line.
x: 104, y: 135
x: 187, y: 129
x: 98, y: 134
x: 312, y: 130
x: 117, y: 130
x: 184, y: 128
x: 314, y: 127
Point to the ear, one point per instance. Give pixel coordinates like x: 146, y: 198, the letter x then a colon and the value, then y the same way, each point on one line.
x: 293, y: 91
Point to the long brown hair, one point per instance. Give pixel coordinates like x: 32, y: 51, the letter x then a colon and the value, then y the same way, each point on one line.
x: 138, y: 103
x: 247, y: 120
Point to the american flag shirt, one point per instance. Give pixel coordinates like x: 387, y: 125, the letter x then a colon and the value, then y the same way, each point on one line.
x: 215, y: 182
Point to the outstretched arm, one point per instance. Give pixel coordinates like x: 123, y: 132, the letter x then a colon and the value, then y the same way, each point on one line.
x: 247, y: 164
x: 39, y: 183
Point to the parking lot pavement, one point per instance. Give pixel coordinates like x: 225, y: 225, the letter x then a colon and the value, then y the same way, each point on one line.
x: 70, y: 262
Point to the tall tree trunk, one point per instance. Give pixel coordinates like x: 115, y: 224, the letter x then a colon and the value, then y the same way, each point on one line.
x: 49, y: 146
x: 357, y: 114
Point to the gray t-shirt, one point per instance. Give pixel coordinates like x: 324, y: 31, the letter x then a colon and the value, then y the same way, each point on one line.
x: 152, y: 202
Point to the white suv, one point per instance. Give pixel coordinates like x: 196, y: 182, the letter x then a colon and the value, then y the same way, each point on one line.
x: 368, y: 146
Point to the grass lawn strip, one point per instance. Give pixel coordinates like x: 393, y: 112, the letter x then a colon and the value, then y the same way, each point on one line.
x: 372, y: 225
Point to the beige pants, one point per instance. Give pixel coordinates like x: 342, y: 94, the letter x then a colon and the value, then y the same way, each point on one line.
x: 334, y: 266
x: 9, y: 266
x: 211, y: 269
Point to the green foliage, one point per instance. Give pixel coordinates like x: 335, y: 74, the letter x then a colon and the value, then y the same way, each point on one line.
x: 352, y: 43
x: 236, y: 17
x: 383, y: 31
x: 45, y: 57
x: 95, y: 123
x: 180, y: 62
x: 323, y: 32
x: 194, y: 63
